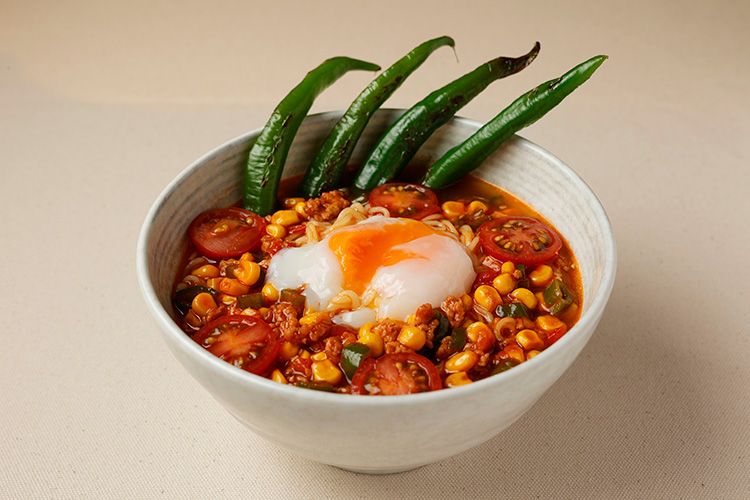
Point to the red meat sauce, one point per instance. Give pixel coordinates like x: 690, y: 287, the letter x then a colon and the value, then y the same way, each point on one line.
x: 526, y: 295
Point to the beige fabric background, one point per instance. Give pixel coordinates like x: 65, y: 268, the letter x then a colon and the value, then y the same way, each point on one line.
x: 103, y: 103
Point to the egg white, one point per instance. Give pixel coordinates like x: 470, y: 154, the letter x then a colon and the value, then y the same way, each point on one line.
x: 439, y: 266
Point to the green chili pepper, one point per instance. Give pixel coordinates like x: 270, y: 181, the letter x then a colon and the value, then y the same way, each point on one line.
x: 513, y: 310
x: 524, y: 111
x: 402, y: 140
x: 557, y: 297
x: 352, y: 356
x: 328, y: 166
x: 267, y: 156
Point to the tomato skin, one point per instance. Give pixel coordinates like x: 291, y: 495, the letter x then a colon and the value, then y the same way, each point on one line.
x: 521, y: 233
x: 413, y: 201
x: 384, y: 373
x: 238, y: 336
x: 242, y: 232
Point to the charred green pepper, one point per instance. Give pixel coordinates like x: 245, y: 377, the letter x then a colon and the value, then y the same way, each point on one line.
x: 328, y: 166
x: 557, y: 297
x: 267, y: 156
x: 524, y: 111
x: 402, y: 140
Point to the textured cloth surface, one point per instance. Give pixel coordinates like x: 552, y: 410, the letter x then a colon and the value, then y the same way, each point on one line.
x: 102, y: 104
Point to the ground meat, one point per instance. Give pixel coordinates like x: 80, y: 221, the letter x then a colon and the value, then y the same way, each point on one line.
x: 387, y: 329
x: 327, y: 207
x: 298, y: 370
x: 282, y: 318
x: 270, y: 246
x: 424, y: 315
x: 444, y: 350
x: 315, y: 331
x: 333, y: 349
x: 394, y: 346
x: 454, y: 310
x: 425, y: 319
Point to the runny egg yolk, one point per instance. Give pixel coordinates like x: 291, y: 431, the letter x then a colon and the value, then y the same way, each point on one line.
x: 362, y: 252
x: 393, y: 265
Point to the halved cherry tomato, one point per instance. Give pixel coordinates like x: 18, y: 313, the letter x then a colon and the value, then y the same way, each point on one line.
x: 226, y: 232
x: 246, y: 342
x: 522, y: 240
x: 405, y: 200
x: 401, y: 373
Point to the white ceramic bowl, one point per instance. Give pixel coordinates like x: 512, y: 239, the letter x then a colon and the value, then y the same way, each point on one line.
x: 393, y: 433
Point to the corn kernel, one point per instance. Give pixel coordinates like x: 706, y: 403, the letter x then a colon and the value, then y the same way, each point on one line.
x: 193, y: 320
x: 227, y: 300
x: 412, y: 337
x: 529, y: 339
x: 279, y: 377
x: 371, y: 339
x: 525, y: 296
x: 314, y: 317
x: 467, y: 301
x: 207, y: 271
x: 326, y: 371
x: 480, y: 334
x: 213, y: 283
x: 203, y: 303
x: 276, y: 230
x: 290, y: 203
x: 299, y: 207
x: 285, y: 218
x: 508, y: 268
x: 476, y: 206
x: 247, y: 256
x: 304, y: 354
x: 513, y: 352
x: 461, y: 362
x: 270, y: 294
x: 249, y: 311
x: 288, y: 350
x: 487, y: 297
x: 456, y: 379
x: 247, y: 272
x: 504, y: 283
x: 453, y: 209
x: 233, y: 287
x: 319, y: 356
x: 548, y: 323
x: 531, y: 354
x: 541, y: 276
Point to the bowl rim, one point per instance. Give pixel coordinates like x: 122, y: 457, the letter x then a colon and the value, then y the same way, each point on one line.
x: 259, y: 383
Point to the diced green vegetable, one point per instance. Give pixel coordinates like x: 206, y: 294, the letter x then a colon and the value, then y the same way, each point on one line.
x: 504, y: 366
x: 557, y: 297
x: 316, y: 386
x: 512, y: 310
x: 294, y: 297
x: 253, y: 300
x: 352, y: 356
x: 458, y: 339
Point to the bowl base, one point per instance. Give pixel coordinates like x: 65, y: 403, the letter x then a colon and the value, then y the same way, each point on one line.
x: 379, y: 471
